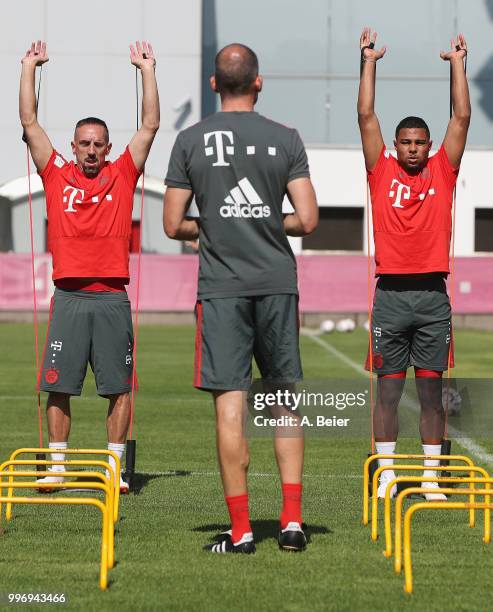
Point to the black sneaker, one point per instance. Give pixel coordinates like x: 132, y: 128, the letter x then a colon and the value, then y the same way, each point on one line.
x: 223, y: 535
x: 292, y: 538
x: 246, y: 545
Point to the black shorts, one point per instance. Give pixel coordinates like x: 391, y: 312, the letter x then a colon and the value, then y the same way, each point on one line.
x: 410, y: 324
x: 88, y: 327
x: 230, y: 331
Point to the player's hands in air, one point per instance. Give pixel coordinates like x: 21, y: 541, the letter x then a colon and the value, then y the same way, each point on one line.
x: 142, y: 55
x: 458, y: 49
x: 368, y: 37
x: 36, y: 55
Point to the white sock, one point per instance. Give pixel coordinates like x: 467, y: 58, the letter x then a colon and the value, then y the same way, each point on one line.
x: 58, y: 456
x: 385, y: 448
x: 119, y: 449
x: 431, y: 449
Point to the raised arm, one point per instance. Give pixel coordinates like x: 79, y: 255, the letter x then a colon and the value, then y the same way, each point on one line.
x: 37, y: 139
x: 456, y: 135
x: 302, y: 196
x: 175, y: 222
x: 371, y: 135
x: 142, y: 56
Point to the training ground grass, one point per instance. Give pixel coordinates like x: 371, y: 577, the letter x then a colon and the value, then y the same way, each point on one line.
x: 179, y: 506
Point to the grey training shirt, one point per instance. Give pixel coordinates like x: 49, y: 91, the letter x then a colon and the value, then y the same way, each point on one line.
x: 238, y: 165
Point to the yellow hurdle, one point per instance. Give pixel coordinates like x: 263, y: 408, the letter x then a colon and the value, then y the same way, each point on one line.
x: 104, y: 486
x: 70, y: 451
x: 419, y: 489
x: 81, y: 451
x: 397, y: 467
x: 366, y: 472
x: 408, y: 571
x: 75, y: 463
x: 73, y: 501
x: 82, y: 474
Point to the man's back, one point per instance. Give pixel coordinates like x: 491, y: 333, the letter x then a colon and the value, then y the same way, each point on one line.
x: 238, y: 165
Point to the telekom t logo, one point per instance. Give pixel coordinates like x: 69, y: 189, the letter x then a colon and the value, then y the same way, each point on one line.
x: 220, y: 148
x: 403, y: 193
x: 71, y: 199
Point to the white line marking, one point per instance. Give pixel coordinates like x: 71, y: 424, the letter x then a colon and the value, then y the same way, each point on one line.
x: 341, y: 356
x: 467, y: 443
x: 254, y: 474
x: 91, y: 398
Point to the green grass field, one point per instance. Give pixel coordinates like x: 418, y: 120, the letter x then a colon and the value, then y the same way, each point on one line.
x: 179, y: 506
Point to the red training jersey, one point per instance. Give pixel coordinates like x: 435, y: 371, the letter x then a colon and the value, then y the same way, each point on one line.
x: 89, y: 219
x: 412, y: 219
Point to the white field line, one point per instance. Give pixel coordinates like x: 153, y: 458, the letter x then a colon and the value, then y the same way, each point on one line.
x: 91, y: 398
x: 254, y: 474
x: 336, y: 353
x: 470, y: 445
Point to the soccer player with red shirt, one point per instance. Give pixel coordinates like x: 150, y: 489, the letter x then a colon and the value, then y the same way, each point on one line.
x: 411, y: 208
x: 89, y: 205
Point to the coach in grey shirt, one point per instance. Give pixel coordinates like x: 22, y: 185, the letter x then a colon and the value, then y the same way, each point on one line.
x: 239, y: 166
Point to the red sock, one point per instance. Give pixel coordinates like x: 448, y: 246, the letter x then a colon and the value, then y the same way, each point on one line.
x: 291, y: 504
x: 238, y: 512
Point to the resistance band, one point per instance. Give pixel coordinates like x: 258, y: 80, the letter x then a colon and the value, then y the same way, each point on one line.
x: 33, y: 276
x: 446, y: 442
x: 131, y: 442
x: 371, y: 45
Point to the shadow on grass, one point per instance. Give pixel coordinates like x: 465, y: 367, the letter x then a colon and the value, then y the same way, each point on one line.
x: 140, y: 481
x: 264, y: 529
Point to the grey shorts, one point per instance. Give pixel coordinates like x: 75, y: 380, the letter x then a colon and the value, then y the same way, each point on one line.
x: 411, y: 324
x: 88, y: 327
x: 230, y: 331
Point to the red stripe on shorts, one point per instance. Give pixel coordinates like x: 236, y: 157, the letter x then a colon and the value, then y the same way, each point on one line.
x: 198, y: 347
x: 38, y: 384
x: 451, y: 349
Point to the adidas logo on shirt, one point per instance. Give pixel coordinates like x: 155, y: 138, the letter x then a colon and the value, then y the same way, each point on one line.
x: 244, y: 202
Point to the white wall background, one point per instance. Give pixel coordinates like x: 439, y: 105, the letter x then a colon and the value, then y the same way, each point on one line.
x: 309, y: 55
x: 89, y: 72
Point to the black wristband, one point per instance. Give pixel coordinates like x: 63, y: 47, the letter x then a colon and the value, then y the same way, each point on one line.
x: 362, y: 59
